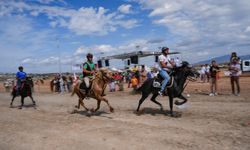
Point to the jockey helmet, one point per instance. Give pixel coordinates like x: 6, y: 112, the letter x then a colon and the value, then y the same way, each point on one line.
x: 89, y: 55
x: 20, y: 67
x: 163, y: 49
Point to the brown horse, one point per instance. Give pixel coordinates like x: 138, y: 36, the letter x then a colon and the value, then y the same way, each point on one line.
x: 99, y: 83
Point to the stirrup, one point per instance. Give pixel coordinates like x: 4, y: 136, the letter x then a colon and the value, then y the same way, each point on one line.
x: 83, y: 91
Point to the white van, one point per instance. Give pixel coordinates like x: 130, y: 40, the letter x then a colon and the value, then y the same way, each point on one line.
x: 245, y: 65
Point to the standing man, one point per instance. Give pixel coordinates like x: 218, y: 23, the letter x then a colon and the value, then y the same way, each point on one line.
x: 20, y: 76
x: 235, y: 72
x: 165, y: 64
x: 214, y: 69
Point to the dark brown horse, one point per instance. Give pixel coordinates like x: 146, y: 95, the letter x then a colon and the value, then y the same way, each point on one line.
x: 175, y: 91
x: 24, y: 91
x: 98, y: 85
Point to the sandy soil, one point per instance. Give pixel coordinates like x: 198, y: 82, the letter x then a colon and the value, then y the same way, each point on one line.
x: 220, y: 122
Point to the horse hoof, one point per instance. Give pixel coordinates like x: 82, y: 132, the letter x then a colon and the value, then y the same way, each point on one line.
x: 19, y: 107
x: 177, y: 103
x: 161, y: 109
x: 111, y: 109
x: 92, y: 110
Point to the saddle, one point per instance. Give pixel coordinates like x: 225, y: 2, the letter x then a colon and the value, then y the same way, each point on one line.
x: 158, y: 80
x: 83, y: 87
x: 24, y: 89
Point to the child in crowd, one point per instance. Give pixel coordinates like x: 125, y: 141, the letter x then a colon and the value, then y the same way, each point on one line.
x: 214, y: 69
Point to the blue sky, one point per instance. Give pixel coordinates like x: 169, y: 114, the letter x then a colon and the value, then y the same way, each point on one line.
x: 35, y: 33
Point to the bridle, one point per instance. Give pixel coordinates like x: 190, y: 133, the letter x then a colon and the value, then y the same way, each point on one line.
x: 189, y: 78
x: 104, y: 77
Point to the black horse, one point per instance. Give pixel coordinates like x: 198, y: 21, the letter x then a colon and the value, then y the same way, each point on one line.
x: 24, y: 91
x: 179, y: 75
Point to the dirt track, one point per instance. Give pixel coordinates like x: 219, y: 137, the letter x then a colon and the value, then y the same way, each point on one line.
x: 220, y: 122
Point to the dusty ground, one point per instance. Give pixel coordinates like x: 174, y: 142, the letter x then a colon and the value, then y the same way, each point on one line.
x: 220, y: 122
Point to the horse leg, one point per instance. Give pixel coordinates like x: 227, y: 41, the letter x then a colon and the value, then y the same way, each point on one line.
x: 11, y: 103
x: 78, y: 106
x: 143, y: 97
x: 98, y: 106
x: 31, y: 97
x: 82, y: 103
x: 110, y: 107
x: 153, y: 100
x: 171, y: 104
x: 22, y: 101
x: 183, y: 98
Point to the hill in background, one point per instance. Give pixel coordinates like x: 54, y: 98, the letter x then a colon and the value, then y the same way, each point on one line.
x: 222, y: 59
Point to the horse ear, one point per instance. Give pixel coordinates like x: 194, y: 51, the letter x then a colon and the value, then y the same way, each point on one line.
x: 185, y: 64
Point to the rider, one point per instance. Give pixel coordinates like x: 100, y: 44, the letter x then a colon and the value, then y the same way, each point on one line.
x: 20, y: 76
x: 165, y: 64
x: 88, y: 70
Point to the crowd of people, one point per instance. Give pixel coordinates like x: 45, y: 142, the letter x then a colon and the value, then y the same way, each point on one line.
x: 137, y: 75
x: 210, y: 73
x: 61, y: 84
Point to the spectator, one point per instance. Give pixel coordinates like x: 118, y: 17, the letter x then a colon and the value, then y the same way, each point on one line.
x: 150, y: 74
x: 137, y: 75
x: 70, y: 83
x: 128, y: 78
x: 214, y: 69
x: 177, y: 62
x: 234, y: 56
x: 143, y: 75
x: 134, y: 82
x: 207, y: 72
x: 112, y: 86
x: 120, y: 82
x: 202, y: 72
x: 235, y: 72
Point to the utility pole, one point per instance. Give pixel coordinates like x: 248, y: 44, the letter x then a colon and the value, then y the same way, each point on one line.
x: 59, y: 56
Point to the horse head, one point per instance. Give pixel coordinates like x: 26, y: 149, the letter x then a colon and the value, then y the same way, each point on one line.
x: 29, y: 81
x: 105, y: 74
x: 189, y: 70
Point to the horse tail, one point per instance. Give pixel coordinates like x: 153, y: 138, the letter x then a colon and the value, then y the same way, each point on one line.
x: 73, y: 92
x: 75, y: 88
x: 13, y: 92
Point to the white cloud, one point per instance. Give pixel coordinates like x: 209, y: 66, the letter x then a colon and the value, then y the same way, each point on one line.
x: 48, y: 61
x: 125, y: 8
x: 91, y: 21
x: 104, y: 48
x: 129, y: 46
x: 28, y: 61
x: 81, y: 51
x: 84, y: 21
x: 202, y: 25
x: 247, y: 29
x: 51, y: 1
